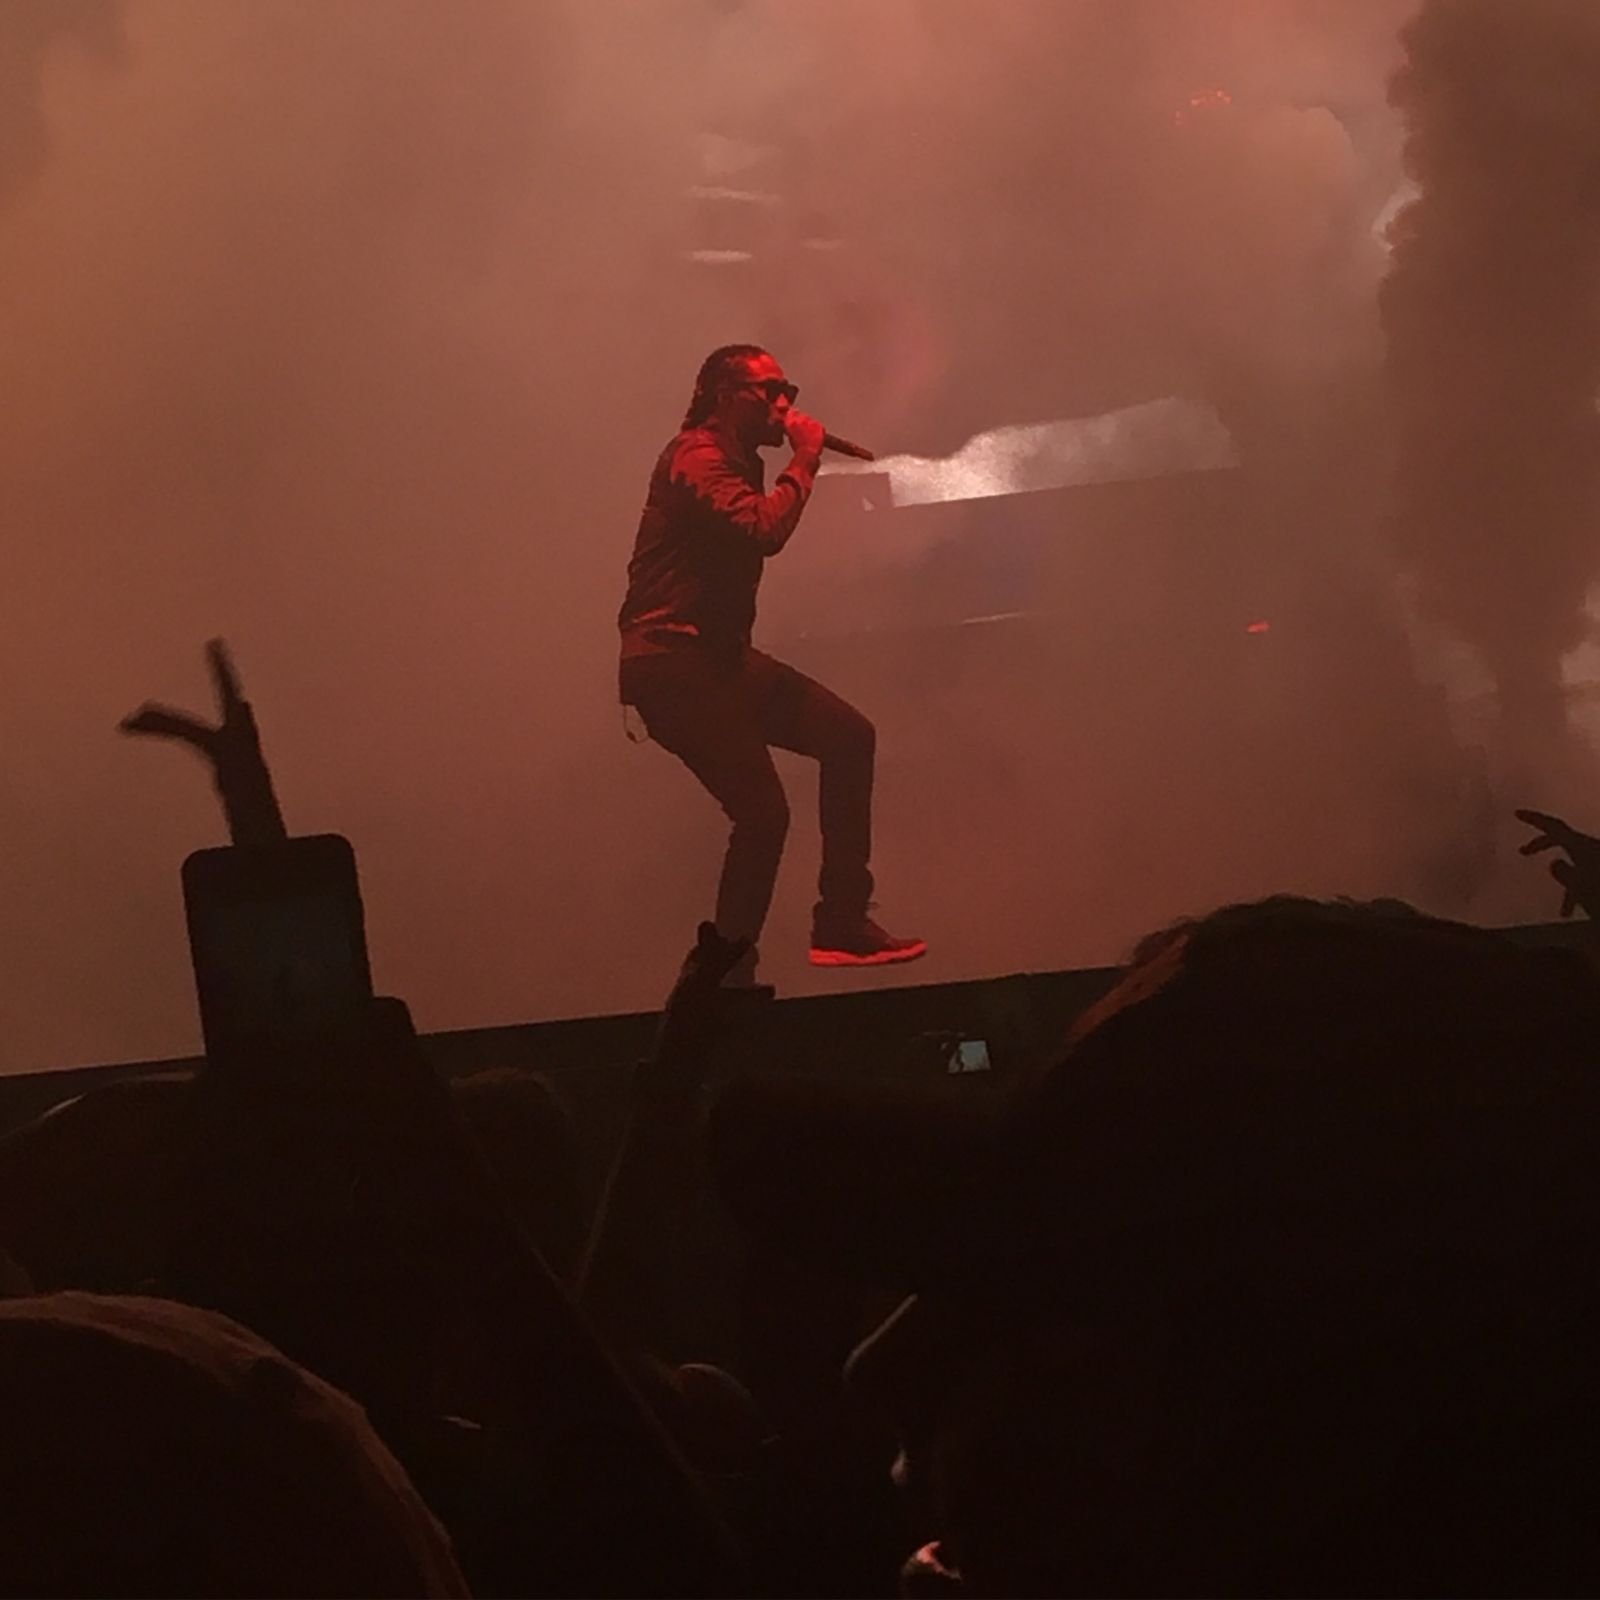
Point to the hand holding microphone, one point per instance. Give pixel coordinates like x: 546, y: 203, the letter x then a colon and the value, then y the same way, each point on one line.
x: 807, y: 435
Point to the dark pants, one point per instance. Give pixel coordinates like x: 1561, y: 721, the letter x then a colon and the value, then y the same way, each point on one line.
x: 720, y: 714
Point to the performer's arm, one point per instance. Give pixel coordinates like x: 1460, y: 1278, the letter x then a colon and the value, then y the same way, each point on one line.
x: 702, y: 468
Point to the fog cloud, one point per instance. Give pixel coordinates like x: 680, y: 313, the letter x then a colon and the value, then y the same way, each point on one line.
x: 1493, y: 315
x: 349, y: 332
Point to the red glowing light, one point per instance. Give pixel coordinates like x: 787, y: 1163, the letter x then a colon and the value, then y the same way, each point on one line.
x: 1258, y: 627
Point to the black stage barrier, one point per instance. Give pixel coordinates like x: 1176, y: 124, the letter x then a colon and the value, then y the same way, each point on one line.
x: 982, y: 1030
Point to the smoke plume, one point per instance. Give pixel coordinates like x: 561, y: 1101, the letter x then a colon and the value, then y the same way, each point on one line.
x: 1492, y: 311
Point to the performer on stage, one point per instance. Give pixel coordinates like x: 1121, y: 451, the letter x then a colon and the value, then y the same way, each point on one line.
x: 713, y: 700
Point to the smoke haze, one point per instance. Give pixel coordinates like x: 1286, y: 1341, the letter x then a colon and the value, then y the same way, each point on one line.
x: 1493, y: 315
x: 350, y: 331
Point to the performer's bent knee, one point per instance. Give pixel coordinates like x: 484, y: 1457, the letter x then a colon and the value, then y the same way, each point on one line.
x: 856, y: 738
x: 766, y: 822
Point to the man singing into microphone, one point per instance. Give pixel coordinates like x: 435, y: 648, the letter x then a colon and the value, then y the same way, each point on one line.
x: 713, y: 700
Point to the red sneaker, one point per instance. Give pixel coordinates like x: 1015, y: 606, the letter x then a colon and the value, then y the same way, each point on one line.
x: 860, y: 942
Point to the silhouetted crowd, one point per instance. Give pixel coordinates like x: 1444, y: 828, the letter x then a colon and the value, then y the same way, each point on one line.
x: 1279, y: 1281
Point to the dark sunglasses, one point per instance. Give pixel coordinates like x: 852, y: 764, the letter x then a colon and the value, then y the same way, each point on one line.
x: 772, y: 388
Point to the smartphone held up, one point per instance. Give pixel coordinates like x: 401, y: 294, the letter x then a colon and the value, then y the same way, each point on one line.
x: 278, y: 941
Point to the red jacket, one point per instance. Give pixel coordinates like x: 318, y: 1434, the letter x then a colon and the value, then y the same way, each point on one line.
x: 706, y: 532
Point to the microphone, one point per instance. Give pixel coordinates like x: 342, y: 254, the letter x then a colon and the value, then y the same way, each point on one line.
x: 832, y: 441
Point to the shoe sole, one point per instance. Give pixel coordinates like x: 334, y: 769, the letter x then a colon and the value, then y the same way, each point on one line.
x: 880, y: 958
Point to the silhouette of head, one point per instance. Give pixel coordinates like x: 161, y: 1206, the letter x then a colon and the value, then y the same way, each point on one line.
x: 1271, y: 1284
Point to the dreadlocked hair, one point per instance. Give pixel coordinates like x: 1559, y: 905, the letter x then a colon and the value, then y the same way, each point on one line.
x: 715, y: 371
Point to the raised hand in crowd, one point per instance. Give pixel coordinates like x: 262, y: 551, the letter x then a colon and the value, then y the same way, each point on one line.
x: 633, y: 1280
x: 627, y: 1273
x: 1578, y: 872
x: 233, y: 748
